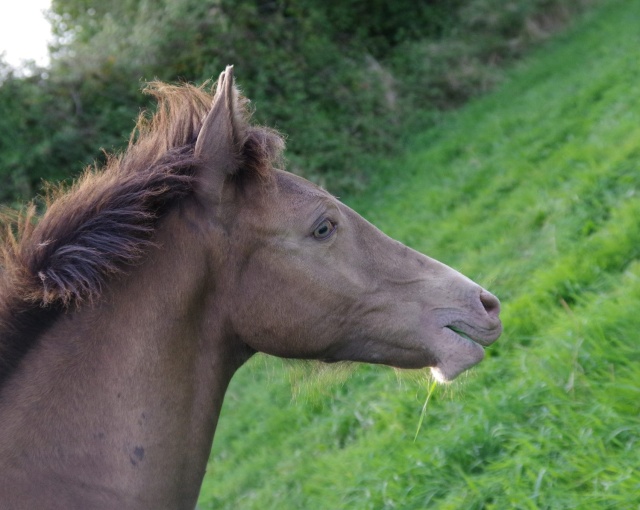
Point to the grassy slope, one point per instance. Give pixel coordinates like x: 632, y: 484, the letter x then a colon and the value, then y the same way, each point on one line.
x: 533, y: 192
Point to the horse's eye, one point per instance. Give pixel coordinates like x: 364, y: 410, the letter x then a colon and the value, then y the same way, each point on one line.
x: 324, y: 230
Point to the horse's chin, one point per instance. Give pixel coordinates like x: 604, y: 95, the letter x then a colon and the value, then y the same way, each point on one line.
x: 457, y: 353
x: 447, y: 350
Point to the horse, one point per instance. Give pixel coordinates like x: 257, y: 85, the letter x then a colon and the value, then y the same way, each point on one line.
x: 129, y: 303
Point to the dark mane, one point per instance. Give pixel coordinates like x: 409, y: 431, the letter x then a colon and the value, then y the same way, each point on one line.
x: 106, y: 220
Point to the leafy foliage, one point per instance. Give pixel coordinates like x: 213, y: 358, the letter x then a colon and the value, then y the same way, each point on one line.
x: 344, y: 80
x: 40, y: 137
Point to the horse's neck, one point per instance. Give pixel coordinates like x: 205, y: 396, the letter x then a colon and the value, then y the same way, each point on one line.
x: 119, y: 403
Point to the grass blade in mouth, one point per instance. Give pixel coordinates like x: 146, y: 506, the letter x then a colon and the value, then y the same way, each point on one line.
x: 424, y: 408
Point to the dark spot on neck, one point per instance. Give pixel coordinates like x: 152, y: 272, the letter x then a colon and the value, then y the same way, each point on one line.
x: 137, y: 456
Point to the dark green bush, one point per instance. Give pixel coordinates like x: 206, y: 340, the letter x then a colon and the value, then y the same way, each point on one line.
x: 343, y: 80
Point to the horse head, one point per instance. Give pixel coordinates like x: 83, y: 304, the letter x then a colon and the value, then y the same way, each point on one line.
x: 307, y: 277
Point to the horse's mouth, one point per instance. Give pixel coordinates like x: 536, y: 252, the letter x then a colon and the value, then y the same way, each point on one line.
x: 461, y: 333
x: 483, y: 337
x: 464, y: 348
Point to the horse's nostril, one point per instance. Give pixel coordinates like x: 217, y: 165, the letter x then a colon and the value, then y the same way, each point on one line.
x: 490, y: 303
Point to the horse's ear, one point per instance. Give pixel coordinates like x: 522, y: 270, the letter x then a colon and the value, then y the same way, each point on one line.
x: 219, y: 143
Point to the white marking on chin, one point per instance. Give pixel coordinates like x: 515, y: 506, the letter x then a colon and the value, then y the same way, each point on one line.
x: 438, y: 375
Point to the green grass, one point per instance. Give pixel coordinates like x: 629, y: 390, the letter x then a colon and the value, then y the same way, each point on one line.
x: 532, y: 191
